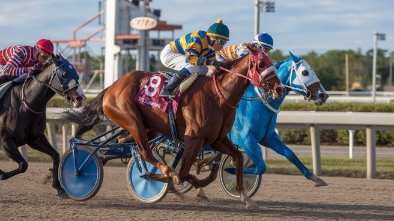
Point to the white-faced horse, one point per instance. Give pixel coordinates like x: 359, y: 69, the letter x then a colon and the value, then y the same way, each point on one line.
x: 256, y: 120
x: 256, y: 116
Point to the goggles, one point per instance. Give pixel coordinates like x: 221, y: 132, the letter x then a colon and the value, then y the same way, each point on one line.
x: 265, y: 49
x: 44, y: 56
x: 220, y: 41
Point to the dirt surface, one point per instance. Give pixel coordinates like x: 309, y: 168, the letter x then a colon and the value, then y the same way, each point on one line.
x: 280, y: 197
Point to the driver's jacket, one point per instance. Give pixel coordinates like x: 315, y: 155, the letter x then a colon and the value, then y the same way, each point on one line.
x: 196, y: 48
x: 232, y: 52
x: 16, y: 59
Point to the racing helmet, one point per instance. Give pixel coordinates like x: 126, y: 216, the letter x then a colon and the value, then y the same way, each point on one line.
x: 45, y: 45
x: 219, y: 30
x: 264, y: 40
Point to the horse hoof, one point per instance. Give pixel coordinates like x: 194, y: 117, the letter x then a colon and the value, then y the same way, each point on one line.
x: 176, y: 180
x: 62, y: 194
x: 201, y: 194
x: 203, y: 197
x: 252, y: 206
x: 319, y: 182
x: 178, y: 194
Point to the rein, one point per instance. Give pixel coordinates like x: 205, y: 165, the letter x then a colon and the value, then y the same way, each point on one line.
x: 263, y: 98
x: 46, y: 85
x: 50, y: 86
x: 220, y: 93
x: 246, y: 77
x: 217, y: 88
x: 24, y: 100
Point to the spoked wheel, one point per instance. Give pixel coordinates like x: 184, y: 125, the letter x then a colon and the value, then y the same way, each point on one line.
x: 228, y: 180
x: 169, y: 158
x: 86, y: 183
x: 145, y: 190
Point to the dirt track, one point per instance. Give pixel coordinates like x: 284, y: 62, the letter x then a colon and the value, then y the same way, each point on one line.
x: 280, y: 197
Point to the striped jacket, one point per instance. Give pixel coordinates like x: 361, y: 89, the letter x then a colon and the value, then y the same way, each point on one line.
x: 232, y: 52
x: 196, y: 47
x: 16, y: 59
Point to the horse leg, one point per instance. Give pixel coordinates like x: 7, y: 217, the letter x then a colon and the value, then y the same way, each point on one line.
x: 201, y: 194
x: 190, y: 153
x: 214, y: 162
x: 42, y: 144
x: 253, y: 151
x: 140, y: 137
x: 226, y: 147
x: 11, y: 150
x: 275, y: 143
x: 131, y: 121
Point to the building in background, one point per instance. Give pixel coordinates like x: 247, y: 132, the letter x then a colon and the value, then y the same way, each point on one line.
x: 120, y: 38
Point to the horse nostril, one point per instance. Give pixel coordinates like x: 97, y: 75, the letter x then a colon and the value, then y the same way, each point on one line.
x: 79, y: 98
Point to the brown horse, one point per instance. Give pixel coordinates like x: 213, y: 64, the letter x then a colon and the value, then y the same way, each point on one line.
x: 205, y: 115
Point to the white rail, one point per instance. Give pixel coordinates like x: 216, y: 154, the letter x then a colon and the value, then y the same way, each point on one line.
x: 371, y: 122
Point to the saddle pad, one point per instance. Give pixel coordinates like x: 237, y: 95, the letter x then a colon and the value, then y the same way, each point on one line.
x: 149, y: 94
x: 4, y: 88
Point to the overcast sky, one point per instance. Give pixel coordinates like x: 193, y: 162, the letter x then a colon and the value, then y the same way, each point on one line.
x: 297, y: 26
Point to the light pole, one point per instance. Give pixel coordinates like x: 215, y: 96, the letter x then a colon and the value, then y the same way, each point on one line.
x: 382, y: 37
x: 261, y: 6
x: 391, y: 72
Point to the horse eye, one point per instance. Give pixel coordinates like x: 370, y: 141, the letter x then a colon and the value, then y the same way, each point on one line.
x: 305, y: 73
x: 262, y: 65
x: 65, y: 75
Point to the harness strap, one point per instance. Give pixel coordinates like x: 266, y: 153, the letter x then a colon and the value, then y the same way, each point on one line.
x: 265, y: 102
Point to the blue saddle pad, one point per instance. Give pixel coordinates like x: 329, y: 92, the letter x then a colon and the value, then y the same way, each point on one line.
x: 168, y: 74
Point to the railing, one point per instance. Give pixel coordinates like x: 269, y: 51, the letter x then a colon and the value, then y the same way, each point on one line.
x: 371, y: 122
x: 346, y: 97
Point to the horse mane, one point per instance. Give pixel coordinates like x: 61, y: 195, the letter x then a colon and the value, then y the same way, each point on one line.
x: 280, y: 64
x: 229, y: 63
x: 38, y: 70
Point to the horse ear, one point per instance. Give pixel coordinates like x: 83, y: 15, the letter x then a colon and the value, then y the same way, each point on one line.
x: 56, y: 58
x: 295, y: 58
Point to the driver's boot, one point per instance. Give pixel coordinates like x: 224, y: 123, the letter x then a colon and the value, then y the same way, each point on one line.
x: 168, y: 90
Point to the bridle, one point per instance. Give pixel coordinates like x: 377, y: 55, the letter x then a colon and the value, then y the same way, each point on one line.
x: 263, y: 97
x: 257, y: 75
x: 307, y: 93
x: 56, y: 86
x: 304, y: 88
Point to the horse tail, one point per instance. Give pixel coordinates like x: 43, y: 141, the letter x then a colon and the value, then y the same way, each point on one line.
x: 88, y: 116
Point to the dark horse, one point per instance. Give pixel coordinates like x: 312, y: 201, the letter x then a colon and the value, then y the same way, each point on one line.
x: 205, y: 115
x: 23, y: 113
